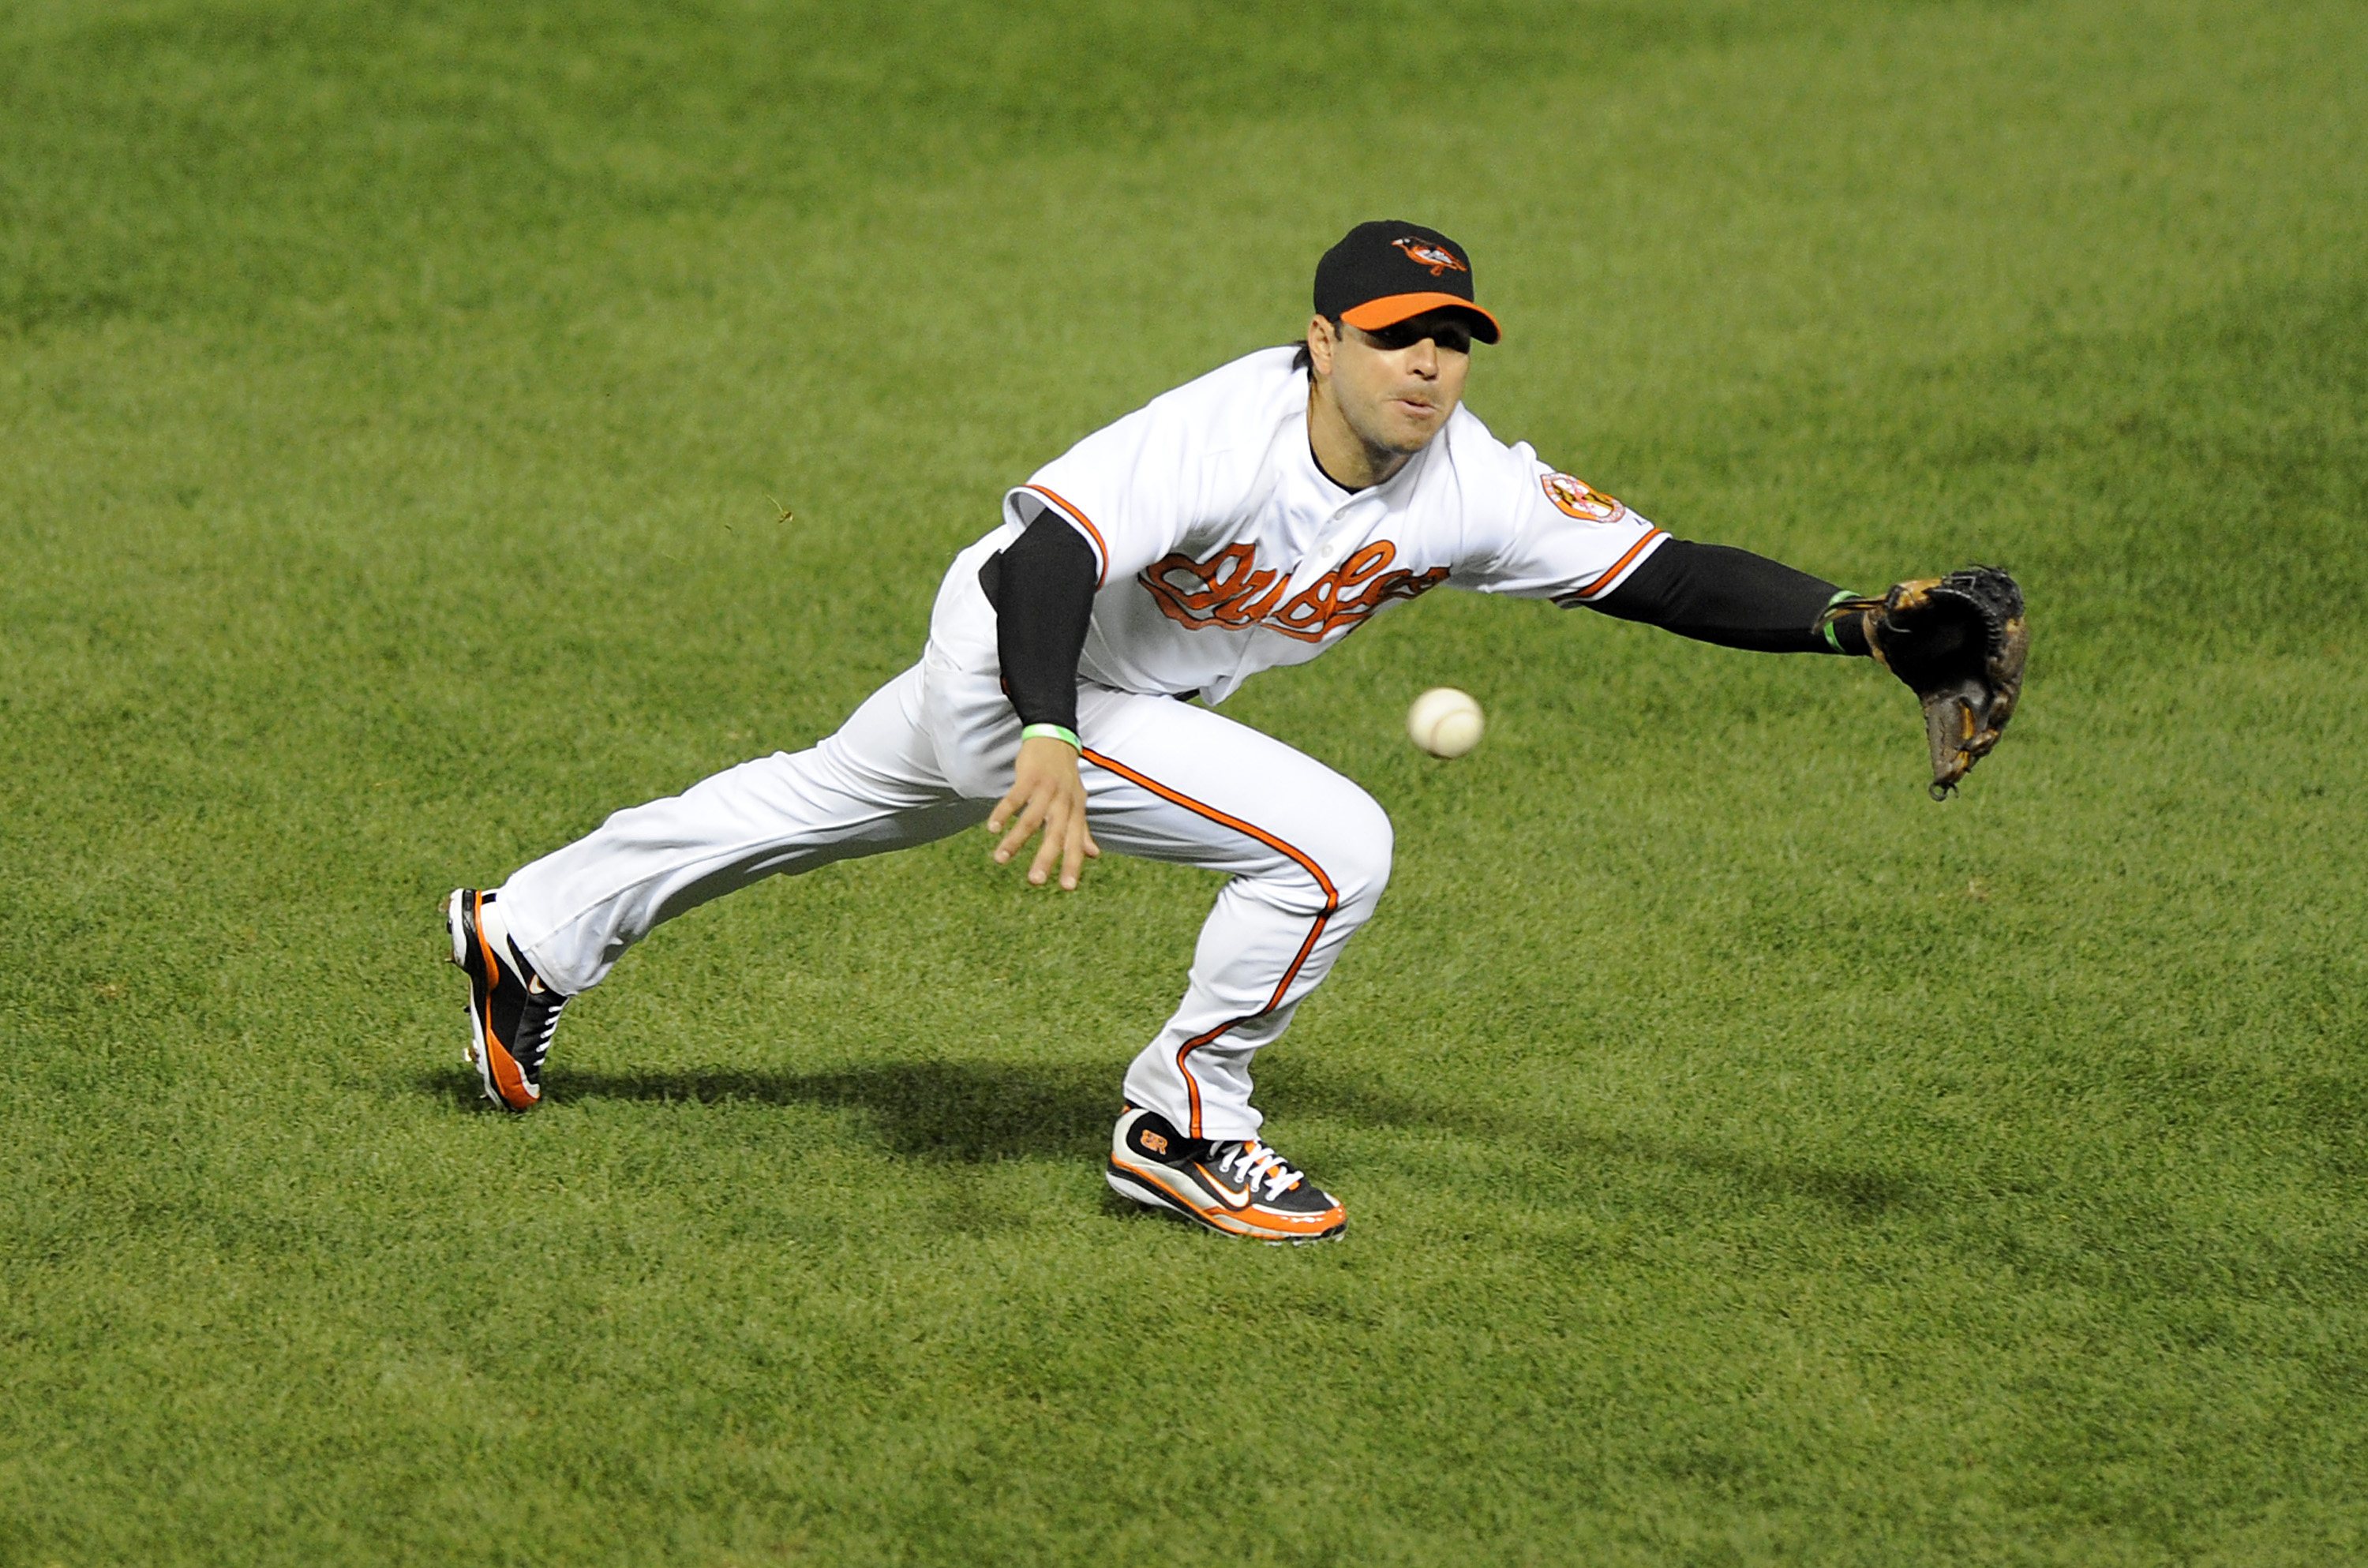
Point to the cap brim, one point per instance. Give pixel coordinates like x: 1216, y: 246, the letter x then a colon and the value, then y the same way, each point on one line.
x: 1389, y: 310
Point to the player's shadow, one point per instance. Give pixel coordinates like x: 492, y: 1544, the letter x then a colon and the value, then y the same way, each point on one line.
x: 981, y: 1111
x: 947, y: 1110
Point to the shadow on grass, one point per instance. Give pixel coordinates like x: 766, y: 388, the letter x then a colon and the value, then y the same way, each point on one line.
x: 977, y: 1111
x: 939, y: 1110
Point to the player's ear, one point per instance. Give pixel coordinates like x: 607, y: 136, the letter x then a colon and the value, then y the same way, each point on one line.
x: 1320, y: 343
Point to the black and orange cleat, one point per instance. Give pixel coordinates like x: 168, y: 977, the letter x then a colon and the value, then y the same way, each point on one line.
x: 512, y: 1013
x: 1239, y: 1186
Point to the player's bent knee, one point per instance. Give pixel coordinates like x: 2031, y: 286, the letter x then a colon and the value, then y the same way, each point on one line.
x: 1357, y: 851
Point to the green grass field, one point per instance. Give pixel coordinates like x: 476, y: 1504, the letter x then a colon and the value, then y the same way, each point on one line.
x: 1748, y: 1160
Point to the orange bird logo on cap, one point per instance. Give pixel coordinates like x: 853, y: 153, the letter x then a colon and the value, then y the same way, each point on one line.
x: 1422, y: 253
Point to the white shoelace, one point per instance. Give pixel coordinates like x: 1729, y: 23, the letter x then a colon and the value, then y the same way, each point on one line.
x: 1251, y: 1162
x: 549, y: 1024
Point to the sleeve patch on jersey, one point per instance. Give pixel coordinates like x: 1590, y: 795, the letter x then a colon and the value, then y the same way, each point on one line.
x: 1574, y: 497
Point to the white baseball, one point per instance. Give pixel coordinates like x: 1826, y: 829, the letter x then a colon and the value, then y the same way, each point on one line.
x: 1445, y: 721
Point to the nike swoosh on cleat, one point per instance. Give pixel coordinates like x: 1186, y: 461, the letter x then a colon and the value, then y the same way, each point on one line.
x: 1233, y: 1199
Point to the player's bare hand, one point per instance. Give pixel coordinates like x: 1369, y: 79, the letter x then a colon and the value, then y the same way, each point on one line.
x: 1046, y: 793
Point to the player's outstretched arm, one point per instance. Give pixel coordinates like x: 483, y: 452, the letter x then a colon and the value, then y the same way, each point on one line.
x: 1958, y: 642
x: 1715, y: 593
x: 1043, y: 590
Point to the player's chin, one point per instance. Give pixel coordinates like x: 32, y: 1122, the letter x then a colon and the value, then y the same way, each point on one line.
x: 1414, y: 424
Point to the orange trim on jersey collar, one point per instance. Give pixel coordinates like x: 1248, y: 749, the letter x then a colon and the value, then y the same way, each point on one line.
x: 1391, y: 308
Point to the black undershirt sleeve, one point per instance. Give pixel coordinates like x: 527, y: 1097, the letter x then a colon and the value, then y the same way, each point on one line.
x: 1042, y: 586
x: 1715, y: 593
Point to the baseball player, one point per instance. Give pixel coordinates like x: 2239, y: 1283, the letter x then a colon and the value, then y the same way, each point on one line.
x: 1250, y: 519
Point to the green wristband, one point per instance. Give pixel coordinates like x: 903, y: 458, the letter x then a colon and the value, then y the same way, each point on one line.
x: 1826, y: 624
x: 1056, y: 733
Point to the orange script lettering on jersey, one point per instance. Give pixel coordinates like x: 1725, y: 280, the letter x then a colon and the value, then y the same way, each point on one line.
x: 1230, y: 589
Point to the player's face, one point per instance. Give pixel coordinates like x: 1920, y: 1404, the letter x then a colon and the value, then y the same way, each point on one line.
x: 1397, y: 386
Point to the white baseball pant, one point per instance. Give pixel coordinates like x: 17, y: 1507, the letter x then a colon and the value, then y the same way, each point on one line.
x: 927, y: 756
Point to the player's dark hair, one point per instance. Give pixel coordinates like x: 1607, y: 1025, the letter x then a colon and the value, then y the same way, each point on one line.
x: 1305, y: 359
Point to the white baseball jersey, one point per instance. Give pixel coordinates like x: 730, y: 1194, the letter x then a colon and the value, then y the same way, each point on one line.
x: 1222, y: 550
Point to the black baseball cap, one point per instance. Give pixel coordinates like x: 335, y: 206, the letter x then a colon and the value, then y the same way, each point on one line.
x: 1382, y: 273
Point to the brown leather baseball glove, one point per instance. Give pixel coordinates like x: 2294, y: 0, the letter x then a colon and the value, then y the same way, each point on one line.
x: 1959, y: 641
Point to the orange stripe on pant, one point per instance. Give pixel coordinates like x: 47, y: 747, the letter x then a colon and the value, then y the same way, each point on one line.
x: 1305, y: 863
